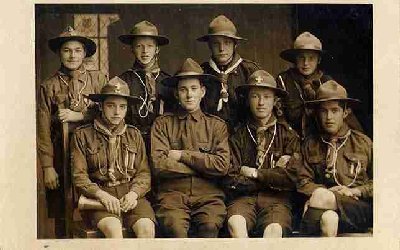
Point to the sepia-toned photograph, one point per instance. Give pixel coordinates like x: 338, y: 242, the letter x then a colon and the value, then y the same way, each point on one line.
x: 204, y: 120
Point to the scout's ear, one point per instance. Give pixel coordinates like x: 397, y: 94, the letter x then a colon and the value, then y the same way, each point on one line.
x: 100, y: 104
x: 346, y: 111
x: 204, y: 90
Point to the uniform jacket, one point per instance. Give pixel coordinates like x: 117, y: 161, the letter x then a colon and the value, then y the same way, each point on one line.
x: 231, y: 112
x: 205, y: 158
x: 141, y: 115
x: 353, y: 163
x: 90, y: 160
x: 54, y: 94
x: 272, y: 176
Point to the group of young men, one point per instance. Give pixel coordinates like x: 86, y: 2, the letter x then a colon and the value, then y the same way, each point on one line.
x: 218, y: 145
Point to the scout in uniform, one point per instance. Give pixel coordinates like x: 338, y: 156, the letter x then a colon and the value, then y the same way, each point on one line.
x: 109, y: 164
x: 229, y: 67
x: 302, y: 81
x: 61, y: 100
x: 265, y: 155
x: 190, y: 154
x: 337, y: 170
x: 145, y: 76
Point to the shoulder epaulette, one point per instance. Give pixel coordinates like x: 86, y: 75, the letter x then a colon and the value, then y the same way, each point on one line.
x: 84, y: 126
x: 214, y: 116
x: 361, y: 135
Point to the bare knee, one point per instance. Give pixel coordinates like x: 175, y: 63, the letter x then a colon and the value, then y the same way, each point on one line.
x: 323, y: 198
x: 111, y: 227
x: 329, y: 223
x: 144, y: 228
x: 237, y: 226
x: 273, y: 230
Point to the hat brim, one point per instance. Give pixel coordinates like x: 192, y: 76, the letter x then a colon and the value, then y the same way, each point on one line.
x: 350, y: 101
x: 205, y: 38
x: 102, y: 97
x: 210, y: 81
x: 290, y: 54
x: 128, y: 39
x: 243, y: 89
x: 56, y: 43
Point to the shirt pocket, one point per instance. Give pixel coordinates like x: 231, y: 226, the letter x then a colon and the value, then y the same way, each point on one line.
x: 129, y: 157
x: 95, y: 160
x: 356, y: 165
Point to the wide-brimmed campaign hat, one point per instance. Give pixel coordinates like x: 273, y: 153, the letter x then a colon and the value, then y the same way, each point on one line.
x: 144, y: 29
x: 115, y: 87
x: 221, y: 26
x: 70, y: 34
x: 263, y: 79
x: 191, y: 69
x: 304, y: 42
x: 331, y: 91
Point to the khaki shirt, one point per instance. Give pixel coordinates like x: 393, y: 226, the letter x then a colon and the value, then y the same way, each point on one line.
x: 272, y: 175
x: 89, y: 160
x: 204, y: 141
x: 52, y: 96
x: 353, y: 164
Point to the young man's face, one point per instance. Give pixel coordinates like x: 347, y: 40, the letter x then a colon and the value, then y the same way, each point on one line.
x: 145, y: 49
x: 72, y: 54
x: 222, y: 49
x: 261, y: 101
x: 114, y: 109
x: 307, y: 62
x: 331, y: 115
x: 190, y: 92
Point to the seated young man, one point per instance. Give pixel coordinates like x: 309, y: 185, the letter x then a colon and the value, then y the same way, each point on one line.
x: 265, y: 156
x: 337, y: 171
x: 190, y: 154
x: 109, y: 164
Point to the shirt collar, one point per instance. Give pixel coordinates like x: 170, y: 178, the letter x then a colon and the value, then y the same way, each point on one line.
x: 270, y: 123
x: 342, y: 134
x: 196, y: 115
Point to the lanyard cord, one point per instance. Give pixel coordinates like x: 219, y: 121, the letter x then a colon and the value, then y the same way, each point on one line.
x: 269, y: 146
x: 144, y: 106
x: 80, y: 91
x: 334, y: 163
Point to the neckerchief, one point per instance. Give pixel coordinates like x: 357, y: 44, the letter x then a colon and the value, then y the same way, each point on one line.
x: 76, y: 80
x: 334, y: 144
x: 307, y: 83
x: 261, y: 139
x: 113, y: 138
x: 223, y: 77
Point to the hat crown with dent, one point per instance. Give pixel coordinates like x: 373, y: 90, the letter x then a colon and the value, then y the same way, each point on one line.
x: 262, y: 78
x: 331, y: 90
x: 144, y: 28
x: 307, y: 41
x: 116, y: 86
x: 221, y: 24
x: 189, y: 66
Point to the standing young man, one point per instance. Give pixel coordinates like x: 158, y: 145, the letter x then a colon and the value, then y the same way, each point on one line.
x: 265, y: 157
x: 145, y: 76
x: 302, y: 81
x: 109, y: 164
x: 337, y: 171
x: 190, y: 154
x: 229, y: 67
x: 61, y: 100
